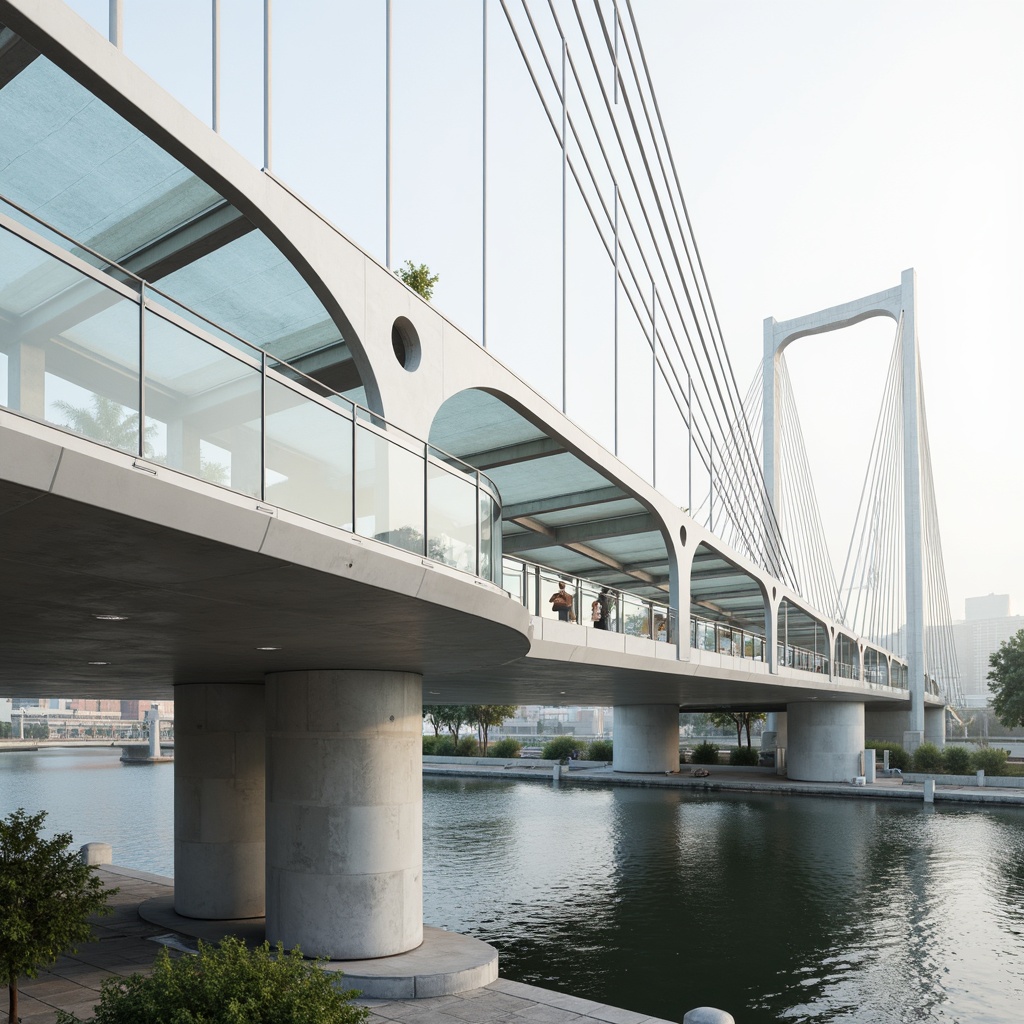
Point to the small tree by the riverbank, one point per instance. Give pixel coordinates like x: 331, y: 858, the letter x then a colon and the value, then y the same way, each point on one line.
x: 1006, y: 680
x: 227, y: 984
x: 46, y: 897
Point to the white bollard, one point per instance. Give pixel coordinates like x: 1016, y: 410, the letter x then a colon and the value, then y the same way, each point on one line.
x: 556, y: 771
x: 929, y: 791
x: 708, y: 1015
x: 97, y: 853
x: 869, y: 765
x: 981, y: 776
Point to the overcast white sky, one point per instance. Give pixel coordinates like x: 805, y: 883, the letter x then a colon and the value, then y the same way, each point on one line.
x: 823, y: 145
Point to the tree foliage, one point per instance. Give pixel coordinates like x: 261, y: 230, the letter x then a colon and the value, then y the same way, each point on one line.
x: 738, y: 720
x: 483, y: 716
x: 46, y: 897
x: 227, y: 984
x: 418, y: 278
x: 1006, y: 680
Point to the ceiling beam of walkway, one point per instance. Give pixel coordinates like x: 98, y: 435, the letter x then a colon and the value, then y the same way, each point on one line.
x: 563, y: 536
x: 563, y: 502
x: 510, y: 455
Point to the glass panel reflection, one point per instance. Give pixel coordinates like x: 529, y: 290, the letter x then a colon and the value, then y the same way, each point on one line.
x: 451, y: 519
x: 389, y: 491
x: 203, y: 408
x: 71, y: 347
x: 309, y: 457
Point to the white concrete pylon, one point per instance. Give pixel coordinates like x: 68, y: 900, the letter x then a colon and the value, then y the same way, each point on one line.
x: 646, y: 738
x: 345, y: 812
x: 826, y: 740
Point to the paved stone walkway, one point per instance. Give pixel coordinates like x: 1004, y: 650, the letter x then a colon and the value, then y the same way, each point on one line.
x: 125, y: 944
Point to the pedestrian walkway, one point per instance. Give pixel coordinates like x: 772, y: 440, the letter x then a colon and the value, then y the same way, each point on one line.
x: 125, y: 944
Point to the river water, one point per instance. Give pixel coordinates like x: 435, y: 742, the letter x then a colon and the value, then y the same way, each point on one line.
x: 776, y: 909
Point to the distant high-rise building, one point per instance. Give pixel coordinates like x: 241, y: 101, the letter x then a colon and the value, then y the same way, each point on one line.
x: 987, y: 624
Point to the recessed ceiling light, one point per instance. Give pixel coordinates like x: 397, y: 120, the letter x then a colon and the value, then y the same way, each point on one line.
x: 268, y: 648
x: 99, y: 662
x: 111, y: 618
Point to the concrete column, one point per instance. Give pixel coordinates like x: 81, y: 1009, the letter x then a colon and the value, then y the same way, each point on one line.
x: 219, y: 840
x: 935, y: 726
x: 345, y: 812
x: 646, y: 738
x: 826, y: 739
x: 888, y: 726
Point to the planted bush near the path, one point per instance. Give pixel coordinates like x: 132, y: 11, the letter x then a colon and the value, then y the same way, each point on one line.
x: 563, y: 748
x: 599, y: 750
x: 704, y: 753
x: 927, y: 758
x: 990, y: 760
x: 468, y: 747
x: 956, y: 761
x: 227, y: 984
x: 507, y: 747
x: 745, y: 757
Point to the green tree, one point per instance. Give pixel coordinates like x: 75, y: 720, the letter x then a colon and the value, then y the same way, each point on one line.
x: 738, y: 720
x: 227, y: 984
x: 1006, y: 680
x: 419, y: 279
x: 46, y: 897
x: 451, y: 717
x: 483, y: 716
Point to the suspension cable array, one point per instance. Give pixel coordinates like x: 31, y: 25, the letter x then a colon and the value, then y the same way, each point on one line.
x: 591, y: 75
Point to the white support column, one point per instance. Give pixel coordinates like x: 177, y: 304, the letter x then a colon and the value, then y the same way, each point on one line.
x: 826, y: 739
x: 913, y: 530
x: 935, y: 726
x: 345, y: 812
x: 646, y: 738
x: 219, y: 838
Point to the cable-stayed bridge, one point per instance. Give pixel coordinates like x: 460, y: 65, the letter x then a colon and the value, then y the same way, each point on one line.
x: 244, y: 466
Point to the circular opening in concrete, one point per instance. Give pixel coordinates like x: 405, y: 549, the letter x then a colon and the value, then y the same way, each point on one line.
x: 406, y: 343
x: 682, y: 535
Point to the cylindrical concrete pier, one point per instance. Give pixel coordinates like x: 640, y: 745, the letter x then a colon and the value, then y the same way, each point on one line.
x: 345, y: 812
x: 935, y: 726
x: 646, y: 738
x: 826, y: 739
x: 219, y: 802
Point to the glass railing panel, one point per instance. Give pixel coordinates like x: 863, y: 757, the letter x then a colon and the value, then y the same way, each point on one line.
x: 203, y: 408
x: 308, y: 457
x: 513, y: 580
x: 451, y: 518
x: 389, y: 491
x: 636, y: 619
x: 490, y: 538
x: 70, y: 347
x: 205, y: 326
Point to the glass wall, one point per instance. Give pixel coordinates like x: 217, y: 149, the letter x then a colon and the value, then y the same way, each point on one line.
x: 88, y: 353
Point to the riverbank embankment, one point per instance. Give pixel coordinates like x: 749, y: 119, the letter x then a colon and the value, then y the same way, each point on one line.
x: 725, y: 779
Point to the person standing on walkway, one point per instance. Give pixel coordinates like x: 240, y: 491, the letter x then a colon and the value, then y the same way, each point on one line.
x: 561, y: 601
x: 599, y: 609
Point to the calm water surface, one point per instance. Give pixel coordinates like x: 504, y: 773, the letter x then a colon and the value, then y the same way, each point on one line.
x: 776, y: 909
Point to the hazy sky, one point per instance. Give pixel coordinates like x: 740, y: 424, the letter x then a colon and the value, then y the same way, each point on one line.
x: 823, y: 146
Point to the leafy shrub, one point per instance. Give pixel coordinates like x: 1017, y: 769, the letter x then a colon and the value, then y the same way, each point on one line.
x: 507, y: 747
x: 898, y: 757
x: 562, y: 748
x: 990, y: 760
x: 704, y: 753
x: 429, y: 744
x: 443, y: 746
x: 927, y: 758
x: 599, y: 750
x: 468, y: 747
x: 745, y: 756
x: 956, y: 760
x: 227, y: 984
